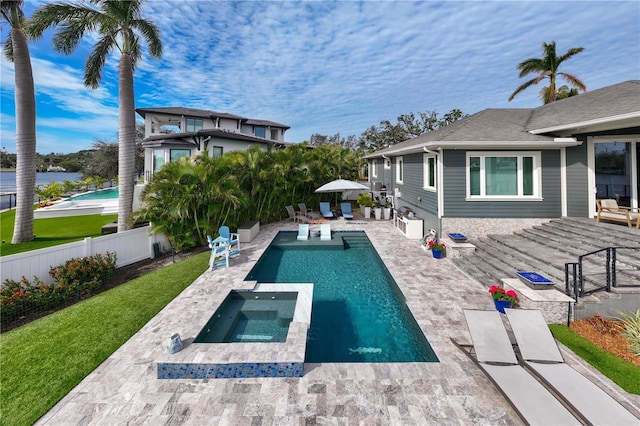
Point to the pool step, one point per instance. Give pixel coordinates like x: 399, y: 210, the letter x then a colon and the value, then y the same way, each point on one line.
x: 355, y: 241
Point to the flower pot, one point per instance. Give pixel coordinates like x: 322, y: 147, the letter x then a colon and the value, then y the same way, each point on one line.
x: 387, y: 213
x: 436, y: 253
x: 501, y: 305
x: 367, y: 212
x: 362, y: 210
x: 378, y: 212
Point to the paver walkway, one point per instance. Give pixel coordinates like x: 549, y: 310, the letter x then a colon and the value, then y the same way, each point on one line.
x: 125, y: 390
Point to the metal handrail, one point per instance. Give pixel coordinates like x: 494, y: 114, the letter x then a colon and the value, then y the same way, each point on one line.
x: 575, y: 286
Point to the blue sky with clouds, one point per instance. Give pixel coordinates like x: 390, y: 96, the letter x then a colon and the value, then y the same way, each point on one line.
x: 328, y: 67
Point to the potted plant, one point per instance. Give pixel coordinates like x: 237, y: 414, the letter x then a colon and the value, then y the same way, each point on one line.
x: 503, y: 298
x: 377, y: 210
x: 387, y: 209
x: 365, y: 202
x: 436, y: 248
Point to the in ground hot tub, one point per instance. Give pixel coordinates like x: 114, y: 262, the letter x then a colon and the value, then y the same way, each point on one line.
x: 247, y: 316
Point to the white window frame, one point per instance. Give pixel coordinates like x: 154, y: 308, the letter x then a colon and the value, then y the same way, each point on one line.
x: 537, y: 176
x: 427, y: 172
x: 399, y: 169
x: 374, y: 169
x: 387, y: 163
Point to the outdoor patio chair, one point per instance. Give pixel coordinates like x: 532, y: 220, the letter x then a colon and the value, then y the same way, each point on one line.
x: 307, y: 212
x: 233, y: 239
x: 494, y: 355
x: 346, y: 210
x: 303, y: 231
x: 325, y: 231
x: 325, y: 210
x: 608, y: 209
x: 540, y: 353
x: 219, y: 253
x: 294, y: 216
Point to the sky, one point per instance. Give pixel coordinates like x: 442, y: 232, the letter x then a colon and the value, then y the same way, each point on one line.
x: 326, y: 67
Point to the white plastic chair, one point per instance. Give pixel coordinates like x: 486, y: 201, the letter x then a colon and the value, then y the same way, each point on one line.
x: 303, y: 231
x: 219, y: 253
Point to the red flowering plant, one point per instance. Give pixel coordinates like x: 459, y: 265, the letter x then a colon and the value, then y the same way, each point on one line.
x: 499, y: 293
x: 435, y: 245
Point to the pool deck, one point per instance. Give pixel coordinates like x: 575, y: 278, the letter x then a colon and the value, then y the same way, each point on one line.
x: 125, y: 389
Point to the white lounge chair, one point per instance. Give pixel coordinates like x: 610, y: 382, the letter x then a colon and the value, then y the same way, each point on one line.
x: 494, y: 354
x: 219, y: 253
x: 325, y: 231
x: 540, y: 353
x: 303, y: 231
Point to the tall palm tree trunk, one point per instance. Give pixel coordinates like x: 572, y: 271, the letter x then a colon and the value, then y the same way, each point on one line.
x: 25, y: 138
x: 126, y: 142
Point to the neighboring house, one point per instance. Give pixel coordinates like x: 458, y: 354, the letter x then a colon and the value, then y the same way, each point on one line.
x: 174, y: 132
x: 504, y: 169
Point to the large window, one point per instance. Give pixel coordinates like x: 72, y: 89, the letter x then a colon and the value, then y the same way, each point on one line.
x: 261, y: 131
x: 504, y: 175
x: 399, y: 169
x: 177, y: 154
x: 216, y: 151
x: 373, y: 166
x: 193, y: 124
x: 274, y: 134
x: 430, y: 172
x: 158, y: 159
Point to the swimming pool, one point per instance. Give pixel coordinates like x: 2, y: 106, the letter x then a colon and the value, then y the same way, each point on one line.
x: 358, y: 312
x: 101, y: 194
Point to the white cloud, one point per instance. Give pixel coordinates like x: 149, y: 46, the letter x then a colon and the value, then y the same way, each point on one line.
x: 331, y: 67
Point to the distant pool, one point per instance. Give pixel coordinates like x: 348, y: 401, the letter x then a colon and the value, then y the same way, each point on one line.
x: 358, y: 313
x: 101, y: 194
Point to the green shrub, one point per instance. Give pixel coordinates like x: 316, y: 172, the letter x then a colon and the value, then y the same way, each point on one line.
x: 632, y: 331
x: 77, y: 277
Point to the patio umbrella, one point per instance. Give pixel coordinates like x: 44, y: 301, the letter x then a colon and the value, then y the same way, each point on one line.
x: 340, y: 185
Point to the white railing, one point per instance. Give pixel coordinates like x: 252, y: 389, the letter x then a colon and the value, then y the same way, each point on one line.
x: 130, y: 246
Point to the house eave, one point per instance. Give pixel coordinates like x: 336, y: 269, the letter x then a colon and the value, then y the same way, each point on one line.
x: 631, y: 119
x: 555, y: 143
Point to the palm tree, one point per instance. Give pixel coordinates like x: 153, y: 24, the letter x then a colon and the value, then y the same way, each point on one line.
x: 16, y: 50
x: 547, y: 67
x: 117, y: 24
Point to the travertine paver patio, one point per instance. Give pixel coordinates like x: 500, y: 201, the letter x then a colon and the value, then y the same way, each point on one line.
x: 125, y: 390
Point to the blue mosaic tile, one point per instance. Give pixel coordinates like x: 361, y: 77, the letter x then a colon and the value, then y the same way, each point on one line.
x: 228, y: 371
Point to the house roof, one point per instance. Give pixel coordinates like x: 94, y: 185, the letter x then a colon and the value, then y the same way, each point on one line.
x: 190, y: 138
x: 545, y: 127
x: 206, y: 113
x: 613, y: 105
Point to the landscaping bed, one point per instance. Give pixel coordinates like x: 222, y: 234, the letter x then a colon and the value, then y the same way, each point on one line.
x: 606, y: 334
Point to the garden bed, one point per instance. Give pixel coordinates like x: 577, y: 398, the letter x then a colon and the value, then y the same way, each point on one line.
x: 606, y: 334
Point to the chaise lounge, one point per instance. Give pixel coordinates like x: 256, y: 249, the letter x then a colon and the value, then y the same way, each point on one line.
x: 541, y: 355
x: 495, y: 356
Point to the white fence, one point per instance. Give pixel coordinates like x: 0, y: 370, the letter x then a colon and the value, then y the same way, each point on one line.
x: 131, y: 246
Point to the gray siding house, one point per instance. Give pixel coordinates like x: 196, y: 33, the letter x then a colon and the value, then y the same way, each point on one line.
x: 504, y: 169
x: 175, y: 132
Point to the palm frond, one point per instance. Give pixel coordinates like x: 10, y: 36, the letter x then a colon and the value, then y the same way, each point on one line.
x: 96, y: 60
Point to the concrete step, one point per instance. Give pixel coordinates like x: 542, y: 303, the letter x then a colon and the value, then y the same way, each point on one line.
x: 546, y: 249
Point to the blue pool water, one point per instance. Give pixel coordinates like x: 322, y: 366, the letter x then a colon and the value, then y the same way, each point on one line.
x: 246, y: 316
x: 358, y: 312
x: 102, y: 194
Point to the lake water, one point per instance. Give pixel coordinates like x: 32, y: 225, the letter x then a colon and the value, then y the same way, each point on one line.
x: 8, y: 182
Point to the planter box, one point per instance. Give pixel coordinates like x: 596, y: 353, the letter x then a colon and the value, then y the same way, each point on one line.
x: 248, y: 231
x: 535, y: 280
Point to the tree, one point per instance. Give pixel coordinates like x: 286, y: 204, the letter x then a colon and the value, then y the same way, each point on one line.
x: 119, y: 26
x: 16, y: 50
x: 547, y: 68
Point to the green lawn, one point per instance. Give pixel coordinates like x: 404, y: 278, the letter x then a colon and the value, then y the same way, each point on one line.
x: 42, y: 361
x: 51, y: 232
x: 624, y: 373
